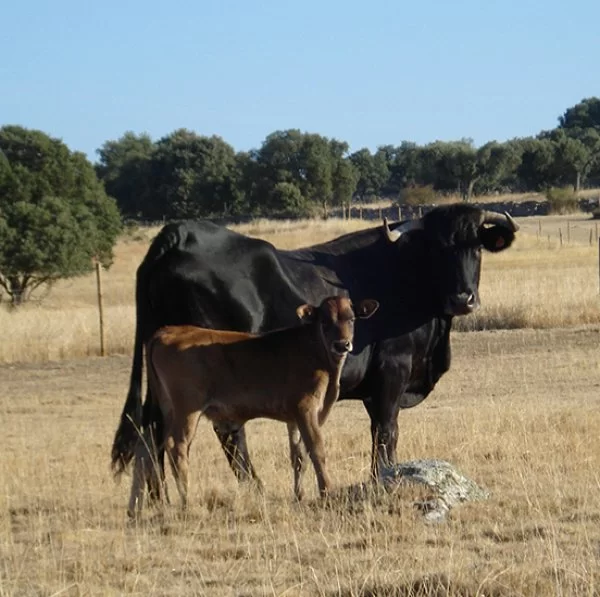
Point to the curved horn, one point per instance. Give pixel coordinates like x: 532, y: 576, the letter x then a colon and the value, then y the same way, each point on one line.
x: 394, y: 235
x: 505, y: 219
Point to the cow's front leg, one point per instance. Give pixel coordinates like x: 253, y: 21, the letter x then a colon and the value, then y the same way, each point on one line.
x: 384, y: 436
x: 233, y: 442
x: 383, y: 410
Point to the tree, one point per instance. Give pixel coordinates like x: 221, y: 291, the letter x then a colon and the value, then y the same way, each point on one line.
x: 404, y: 166
x: 584, y: 115
x: 537, y: 162
x: 317, y: 171
x: 55, y: 218
x: 452, y: 166
x: 124, y: 168
x: 307, y: 161
x: 499, y: 163
x: 574, y: 155
x: 372, y: 171
x: 345, y: 178
x: 192, y: 176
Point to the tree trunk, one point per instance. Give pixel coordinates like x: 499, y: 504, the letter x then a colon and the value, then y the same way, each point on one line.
x: 577, y: 181
x: 16, y: 291
x: 470, y: 189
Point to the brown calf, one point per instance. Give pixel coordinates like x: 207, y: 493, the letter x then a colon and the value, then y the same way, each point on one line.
x: 291, y: 375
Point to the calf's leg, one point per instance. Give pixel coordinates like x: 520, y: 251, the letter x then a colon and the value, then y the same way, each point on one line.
x: 178, y: 448
x: 308, y: 424
x: 298, y: 458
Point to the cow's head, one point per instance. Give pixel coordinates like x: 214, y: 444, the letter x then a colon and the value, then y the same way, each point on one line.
x: 454, y: 236
x: 335, y: 318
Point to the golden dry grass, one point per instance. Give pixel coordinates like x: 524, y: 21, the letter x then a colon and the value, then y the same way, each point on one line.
x: 518, y: 413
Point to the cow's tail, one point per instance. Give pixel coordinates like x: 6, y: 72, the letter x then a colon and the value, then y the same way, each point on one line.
x: 132, y: 417
x: 129, y: 429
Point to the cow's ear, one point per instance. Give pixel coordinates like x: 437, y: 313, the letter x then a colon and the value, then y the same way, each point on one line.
x: 306, y: 313
x: 496, y: 238
x: 366, y: 308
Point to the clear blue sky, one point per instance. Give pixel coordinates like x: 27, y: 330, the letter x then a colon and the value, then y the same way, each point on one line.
x: 370, y: 73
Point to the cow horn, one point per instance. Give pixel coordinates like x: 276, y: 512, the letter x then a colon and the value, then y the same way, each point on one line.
x: 505, y: 219
x: 394, y: 235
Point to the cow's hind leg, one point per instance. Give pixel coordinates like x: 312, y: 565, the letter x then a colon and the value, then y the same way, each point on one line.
x: 298, y: 458
x: 308, y: 423
x: 233, y: 442
x: 154, y: 422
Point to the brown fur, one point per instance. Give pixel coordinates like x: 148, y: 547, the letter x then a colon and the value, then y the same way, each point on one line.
x: 289, y: 375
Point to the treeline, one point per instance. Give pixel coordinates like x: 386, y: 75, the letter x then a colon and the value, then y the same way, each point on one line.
x: 186, y: 175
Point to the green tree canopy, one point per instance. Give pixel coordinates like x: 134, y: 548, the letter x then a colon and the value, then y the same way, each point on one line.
x: 192, y: 176
x: 537, y: 163
x: 584, y: 115
x: 576, y: 152
x: 311, y: 163
x: 55, y: 217
x: 372, y: 172
x: 124, y: 167
x: 404, y: 166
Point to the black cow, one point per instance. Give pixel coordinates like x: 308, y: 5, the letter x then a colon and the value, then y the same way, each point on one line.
x: 422, y: 272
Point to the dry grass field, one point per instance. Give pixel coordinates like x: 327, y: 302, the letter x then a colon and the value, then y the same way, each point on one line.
x: 518, y: 413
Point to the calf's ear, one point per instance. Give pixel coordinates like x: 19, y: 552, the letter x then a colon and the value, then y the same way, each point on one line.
x: 366, y: 308
x: 306, y: 313
x: 496, y: 238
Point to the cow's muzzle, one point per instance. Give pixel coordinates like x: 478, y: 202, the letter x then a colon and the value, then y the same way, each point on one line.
x: 342, y: 347
x: 461, y: 304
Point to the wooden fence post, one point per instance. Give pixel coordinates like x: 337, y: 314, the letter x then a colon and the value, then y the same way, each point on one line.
x: 100, y: 305
x: 560, y: 236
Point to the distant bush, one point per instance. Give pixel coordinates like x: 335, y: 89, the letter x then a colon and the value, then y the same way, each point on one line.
x: 286, y: 200
x: 562, y: 200
x: 424, y: 195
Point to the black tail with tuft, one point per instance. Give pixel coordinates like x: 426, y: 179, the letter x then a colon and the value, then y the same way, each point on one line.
x: 133, y: 417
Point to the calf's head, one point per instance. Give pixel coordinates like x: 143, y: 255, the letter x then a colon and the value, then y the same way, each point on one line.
x: 453, y: 237
x: 335, y: 318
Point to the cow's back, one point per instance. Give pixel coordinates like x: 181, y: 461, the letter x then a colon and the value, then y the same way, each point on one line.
x: 218, y: 279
